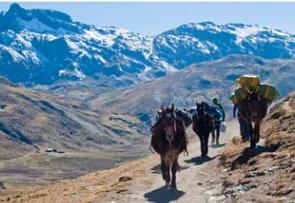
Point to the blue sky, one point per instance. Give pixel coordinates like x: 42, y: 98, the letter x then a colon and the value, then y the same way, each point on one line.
x: 154, y: 18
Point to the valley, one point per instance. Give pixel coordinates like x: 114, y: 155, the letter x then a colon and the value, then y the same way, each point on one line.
x: 232, y: 172
x: 77, y: 102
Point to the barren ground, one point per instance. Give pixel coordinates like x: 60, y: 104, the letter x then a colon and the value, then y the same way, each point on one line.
x: 141, y: 181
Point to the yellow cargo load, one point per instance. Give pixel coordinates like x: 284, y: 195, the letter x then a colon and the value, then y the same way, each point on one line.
x: 268, y: 92
x: 238, y: 95
x: 248, y: 81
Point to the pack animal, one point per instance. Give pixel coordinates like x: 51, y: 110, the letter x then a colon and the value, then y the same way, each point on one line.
x: 203, y: 125
x: 169, y: 141
x: 253, y: 110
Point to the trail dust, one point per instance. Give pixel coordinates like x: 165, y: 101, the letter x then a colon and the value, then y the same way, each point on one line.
x: 140, y: 181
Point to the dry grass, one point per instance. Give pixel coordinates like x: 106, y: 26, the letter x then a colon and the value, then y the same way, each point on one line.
x: 231, y: 151
x: 88, y: 188
x: 33, y: 121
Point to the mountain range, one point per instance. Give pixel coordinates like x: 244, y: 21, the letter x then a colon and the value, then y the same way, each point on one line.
x: 200, y: 81
x: 92, y: 92
x: 46, y: 47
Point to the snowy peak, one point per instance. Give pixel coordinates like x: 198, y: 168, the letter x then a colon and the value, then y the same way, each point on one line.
x: 195, y: 42
x: 40, y: 46
x: 38, y: 20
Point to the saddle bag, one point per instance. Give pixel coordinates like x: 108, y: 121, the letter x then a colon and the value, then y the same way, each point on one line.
x: 185, y: 116
x: 248, y: 81
x: 268, y: 92
x: 238, y: 95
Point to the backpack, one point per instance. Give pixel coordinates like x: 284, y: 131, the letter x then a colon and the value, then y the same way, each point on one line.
x: 216, y: 113
x: 184, y: 115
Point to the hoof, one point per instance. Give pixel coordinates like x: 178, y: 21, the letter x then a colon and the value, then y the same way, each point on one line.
x: 173, y: 187
x: 252, y: 145
x: 167, y: 184
x: 203, y: 155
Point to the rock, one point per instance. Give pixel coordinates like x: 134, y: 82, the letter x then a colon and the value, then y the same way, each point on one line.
x: 2, y: 185
x: 199, y: 183
x: 121, y: 191
x: 124, y: 178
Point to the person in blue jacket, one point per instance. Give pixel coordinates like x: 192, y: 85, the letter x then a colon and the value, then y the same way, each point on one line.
x: 218, y: 114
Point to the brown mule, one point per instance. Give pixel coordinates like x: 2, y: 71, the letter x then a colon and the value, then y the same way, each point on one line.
x: 253, y: 110
x: 169, y: 140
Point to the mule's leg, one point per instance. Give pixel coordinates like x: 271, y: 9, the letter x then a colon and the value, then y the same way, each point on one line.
x: 163, y: 168
x: 217, y: 127
x: 257, y: 131
x: 252, y: 137
x: 174, y: 170
x: 213, y: 136
x: 206, y: 140
x: 167, y: 170
x: 202, y: 144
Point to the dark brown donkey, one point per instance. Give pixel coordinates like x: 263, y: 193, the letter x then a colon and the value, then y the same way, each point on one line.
x: 169, y: 140
x: 253, y: 109
x: 203, y: 125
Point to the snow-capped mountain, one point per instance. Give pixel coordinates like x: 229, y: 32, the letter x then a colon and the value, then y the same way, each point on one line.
x: 44, y: 46
x: 195, y: 42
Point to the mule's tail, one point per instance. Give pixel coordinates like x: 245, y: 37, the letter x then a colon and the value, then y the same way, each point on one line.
x: 151, y: 148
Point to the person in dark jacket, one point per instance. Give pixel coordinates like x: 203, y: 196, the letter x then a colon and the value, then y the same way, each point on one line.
x: 245, y: 129
x: 218, y: 118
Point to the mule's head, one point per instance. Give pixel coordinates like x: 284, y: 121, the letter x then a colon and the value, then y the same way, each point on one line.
x: 167, y: 121
x: 254, y: 103
x: 200, y: 109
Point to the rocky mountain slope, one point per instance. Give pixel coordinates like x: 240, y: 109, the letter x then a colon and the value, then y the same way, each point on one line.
x: 85, y: 140
x: 235, y: 174
x: 45, y: 46
x: 266, y: 174
x: 199, y: 81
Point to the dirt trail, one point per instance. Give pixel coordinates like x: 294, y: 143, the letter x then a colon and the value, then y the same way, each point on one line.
x: 191, y: 181
x: 141, y: 181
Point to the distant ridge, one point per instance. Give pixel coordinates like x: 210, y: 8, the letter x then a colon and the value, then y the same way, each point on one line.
x: 40, y: 46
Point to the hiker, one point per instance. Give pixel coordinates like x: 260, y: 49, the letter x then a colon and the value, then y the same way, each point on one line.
x: 245, y: 129
x: 219, y: 116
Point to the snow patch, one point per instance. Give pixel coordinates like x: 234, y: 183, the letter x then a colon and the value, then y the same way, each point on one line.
x: 71, y: 73
x: 107, y: 40
x: 246, y: 31
x: 31, y: 55
x: 99, y: 57
x: 14, y: 54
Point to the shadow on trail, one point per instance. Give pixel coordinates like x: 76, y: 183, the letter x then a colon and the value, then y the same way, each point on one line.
x: 157, y: 168
x: 163, y: 195
x: 249, y: 153
x: 217, y: 145
x: 199, y: 160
